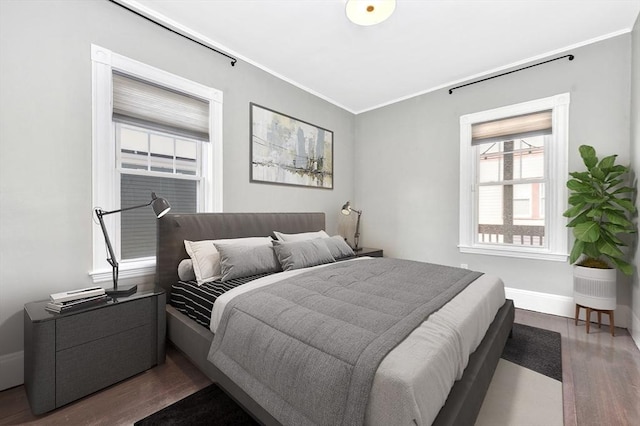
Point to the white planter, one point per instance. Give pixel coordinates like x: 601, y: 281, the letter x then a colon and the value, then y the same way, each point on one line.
x: 595, y: 288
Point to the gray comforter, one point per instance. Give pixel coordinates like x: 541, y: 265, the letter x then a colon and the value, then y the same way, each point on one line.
x: 307, y: 348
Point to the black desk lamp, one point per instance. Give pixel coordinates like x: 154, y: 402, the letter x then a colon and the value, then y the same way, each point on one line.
x: 346, y: 210
x: 160, y: 208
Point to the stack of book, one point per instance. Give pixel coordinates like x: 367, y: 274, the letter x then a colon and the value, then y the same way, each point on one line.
x: 76, y: 299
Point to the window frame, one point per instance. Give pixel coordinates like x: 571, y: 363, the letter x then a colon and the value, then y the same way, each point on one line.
x: 556, y: 168
x: 105, y: 172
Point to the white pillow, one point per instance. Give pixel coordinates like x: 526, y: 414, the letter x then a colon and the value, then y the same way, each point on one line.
x: 206, y: 259
x: 303, y: 236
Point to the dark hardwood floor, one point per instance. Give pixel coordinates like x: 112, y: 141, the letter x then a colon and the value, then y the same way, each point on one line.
x: 121, y: 404
x: 601, y: 383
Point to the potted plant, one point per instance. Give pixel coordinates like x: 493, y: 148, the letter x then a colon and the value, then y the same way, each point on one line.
x: 601, y: 206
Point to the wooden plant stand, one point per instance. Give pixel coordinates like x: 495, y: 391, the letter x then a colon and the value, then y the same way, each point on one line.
x: 600, y: 312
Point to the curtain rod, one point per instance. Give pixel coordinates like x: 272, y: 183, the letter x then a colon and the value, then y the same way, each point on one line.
x: 510, y: 72
x: 233, y: 60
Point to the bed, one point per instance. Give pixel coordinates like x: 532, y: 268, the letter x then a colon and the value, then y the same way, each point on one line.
x: 465, y: 397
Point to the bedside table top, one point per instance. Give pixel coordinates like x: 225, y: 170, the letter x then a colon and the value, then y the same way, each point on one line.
x: 368, y: 251
x: 38, y: 313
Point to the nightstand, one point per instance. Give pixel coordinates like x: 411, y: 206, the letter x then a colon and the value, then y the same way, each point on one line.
x: 368, y: 251
x: 68, y: 356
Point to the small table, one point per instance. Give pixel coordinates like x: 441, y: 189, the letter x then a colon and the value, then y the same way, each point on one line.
x: 72, y: 354
x: 368, y: 251
x: 600, y: 312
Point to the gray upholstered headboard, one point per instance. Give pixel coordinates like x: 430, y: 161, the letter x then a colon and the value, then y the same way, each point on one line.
x: 173, y: 229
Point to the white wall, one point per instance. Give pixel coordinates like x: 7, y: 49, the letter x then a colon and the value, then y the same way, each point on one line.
x: 635, y: 164
x: 45, y: 143
x: 407, y: 161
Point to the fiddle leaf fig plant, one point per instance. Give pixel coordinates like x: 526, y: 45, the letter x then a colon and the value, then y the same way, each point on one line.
x: 601, y: 206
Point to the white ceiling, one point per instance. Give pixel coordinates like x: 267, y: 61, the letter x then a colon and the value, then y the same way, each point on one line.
x: 424, y: 45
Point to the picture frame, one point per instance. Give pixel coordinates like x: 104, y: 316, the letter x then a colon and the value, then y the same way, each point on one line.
x: 288, y: 151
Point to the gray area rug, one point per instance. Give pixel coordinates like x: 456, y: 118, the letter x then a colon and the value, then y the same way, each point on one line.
x: 536, y: 349
x: 530, y: 347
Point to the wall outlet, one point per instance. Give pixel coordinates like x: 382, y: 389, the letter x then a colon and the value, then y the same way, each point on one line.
x: 464, y: 266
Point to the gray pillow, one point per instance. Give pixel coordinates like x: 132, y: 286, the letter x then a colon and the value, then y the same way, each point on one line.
x: 237, y: 261
x: 301, y: 254
x: 186, y: 271
x: 338, y: 247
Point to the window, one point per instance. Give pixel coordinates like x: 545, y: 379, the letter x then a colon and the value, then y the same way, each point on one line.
x: 152, y: 132
x: 513, y: 165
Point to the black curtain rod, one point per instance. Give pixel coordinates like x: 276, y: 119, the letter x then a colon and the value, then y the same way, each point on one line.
x: 510, y: 72
x: 233, y: 60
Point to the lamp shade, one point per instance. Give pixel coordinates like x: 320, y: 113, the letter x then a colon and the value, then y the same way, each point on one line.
x: 346, y: 209
x: 369, y: 12
x: 160, y: 205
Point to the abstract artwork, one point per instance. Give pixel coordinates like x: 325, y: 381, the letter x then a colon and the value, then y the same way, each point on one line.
x: 288, y: 151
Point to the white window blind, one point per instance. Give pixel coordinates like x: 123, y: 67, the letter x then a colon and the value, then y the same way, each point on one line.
x: 147, y: 105
x: 519, y: 127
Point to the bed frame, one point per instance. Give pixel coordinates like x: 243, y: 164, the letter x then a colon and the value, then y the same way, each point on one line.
x: 465, y: 399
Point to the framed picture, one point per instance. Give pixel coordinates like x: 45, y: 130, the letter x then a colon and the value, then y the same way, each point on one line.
x: 288, y: 151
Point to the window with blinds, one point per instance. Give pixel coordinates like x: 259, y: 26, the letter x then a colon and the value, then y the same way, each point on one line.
x: 159, y: 137
x: 513, y: 162
x: 152, y: 131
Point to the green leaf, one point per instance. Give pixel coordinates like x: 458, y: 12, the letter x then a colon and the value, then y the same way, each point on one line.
x: 591, y: 250
x: 576, y: 185
x: 597, y: 173
x: 625, y: 203
x: 583, y: 176
x: 614, y: 229
x: 608, y: 248
x: 576, y: 199
x: 582, y: 217
x: 611, y: 237
x: 576, y: 251
x: 588, y: 232
x: 572, y: 211
x: 595, y: 214
x: 588, y: 155
x: 623, y: 190
x: 594, y: 199
x: 618, y: 218
x: 609, y: 206
x: 619, y: 169
x: 625, y: 267
x: 607, y: 162
x: 613, y: 183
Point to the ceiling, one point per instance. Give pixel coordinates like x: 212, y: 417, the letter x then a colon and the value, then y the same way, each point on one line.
x: 425, y: 45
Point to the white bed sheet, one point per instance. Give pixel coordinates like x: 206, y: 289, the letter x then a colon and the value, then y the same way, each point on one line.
x: 413, y: 381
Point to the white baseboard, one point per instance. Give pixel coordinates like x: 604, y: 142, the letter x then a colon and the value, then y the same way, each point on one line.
x: 11, y: 370
x: 635, y: 329
x: 563, y: 306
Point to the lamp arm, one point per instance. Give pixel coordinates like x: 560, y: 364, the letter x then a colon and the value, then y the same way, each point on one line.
x: 112, y: 256
x: 356, y: 237
x: 103, y: 213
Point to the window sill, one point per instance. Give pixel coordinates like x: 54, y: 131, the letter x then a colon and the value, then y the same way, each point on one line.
x: 127, y: 269
x: 518, y: 252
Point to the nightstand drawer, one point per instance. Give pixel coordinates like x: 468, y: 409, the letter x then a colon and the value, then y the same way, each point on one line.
x: 76, y: 330
x: 84, y: 369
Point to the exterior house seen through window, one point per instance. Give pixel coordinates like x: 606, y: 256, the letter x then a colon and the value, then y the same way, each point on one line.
x: 513, y: 165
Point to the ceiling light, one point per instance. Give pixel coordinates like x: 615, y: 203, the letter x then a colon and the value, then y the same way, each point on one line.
x: 369, y: 12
